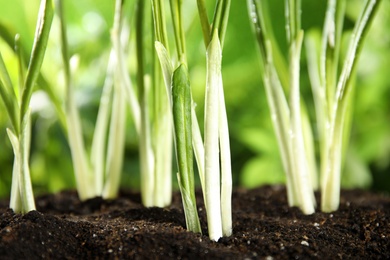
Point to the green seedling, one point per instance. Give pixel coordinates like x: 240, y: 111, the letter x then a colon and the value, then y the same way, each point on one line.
x: 22, y: 197
x: 332, y: 97
x: 181, y: 95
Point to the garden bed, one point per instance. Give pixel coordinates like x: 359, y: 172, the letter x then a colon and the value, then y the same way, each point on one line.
x: 263, y: 226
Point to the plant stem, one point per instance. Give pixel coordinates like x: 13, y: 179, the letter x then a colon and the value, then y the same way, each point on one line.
x: 181, y: 94
x: 179, y: 31
x: 301, y: 177
x: 45, y: 18
x: 83, y: 171
x: 211, y: 138
x: 204, y: 21
x: 162, y: 121
x: 340, y: 109
x: 146, y: 152
x: 98, y: 149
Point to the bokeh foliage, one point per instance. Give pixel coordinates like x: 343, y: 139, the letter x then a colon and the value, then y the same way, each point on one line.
x: 255, y: 158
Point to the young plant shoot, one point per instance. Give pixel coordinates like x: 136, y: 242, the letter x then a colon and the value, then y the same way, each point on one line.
x: 156, y: 118
x: 212, y: 138
x: 22, y: 198
x: 286, y: 117
x: 332, y: 92
x: 216, y: 188
x: 99, y: 176
x: 217, y: 163
x: 182, y: 105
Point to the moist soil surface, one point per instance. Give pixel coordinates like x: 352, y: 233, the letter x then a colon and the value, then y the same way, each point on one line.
x: 264, y: 227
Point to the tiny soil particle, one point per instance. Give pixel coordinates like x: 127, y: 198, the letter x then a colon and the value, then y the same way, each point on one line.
x: 264, y: 227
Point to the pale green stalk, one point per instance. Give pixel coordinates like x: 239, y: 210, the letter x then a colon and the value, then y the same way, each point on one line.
x: 280, y: 113
x: 211, y: 140
x: 162, y: 141
x: 219, y: 221
x: 82, y: 169
x: 197, y: 143
x: 331, y: 41
x: 15, y: 198
x: 290, y: 121
x: 22, y: 197
x: 280, y: 116
x: 300, y: 166
x: 310, y: 150
x: 163, y: 156
x: 122, y: 67
x: 260, y: 18
x: 226, y: 165
x: 162, y: 127
x: 146, y: 152
x: 319, y: 96
x: 116, y: 142
x: 167, y: 72
x: 340, y: 109
x: 26, y: 191
x: 99, y: 136
x: 116, y: 134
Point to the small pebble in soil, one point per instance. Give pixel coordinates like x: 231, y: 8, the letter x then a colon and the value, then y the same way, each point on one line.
x: 304, y: 243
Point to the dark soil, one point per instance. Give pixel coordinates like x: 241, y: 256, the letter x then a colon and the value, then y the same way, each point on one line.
x: 264, y: 227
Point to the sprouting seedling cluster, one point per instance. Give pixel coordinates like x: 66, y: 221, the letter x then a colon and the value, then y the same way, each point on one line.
x: 332, y: 97
x: 216, y: 183
x: 170, y: 116
x: 22, y: 198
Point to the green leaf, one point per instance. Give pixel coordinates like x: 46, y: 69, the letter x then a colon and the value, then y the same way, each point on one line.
x: 181, y: 95
x: 45, y: 17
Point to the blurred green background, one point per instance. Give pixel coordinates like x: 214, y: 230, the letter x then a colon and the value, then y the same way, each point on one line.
x: 255, y: 156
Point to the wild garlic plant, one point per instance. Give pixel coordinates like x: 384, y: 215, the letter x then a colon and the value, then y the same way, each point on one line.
x: 332, y: 96
x: 288, y: 118
x: 17, y: 106
x: 333, y: 90
x: 97, y: 174
x: 216, y: 183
